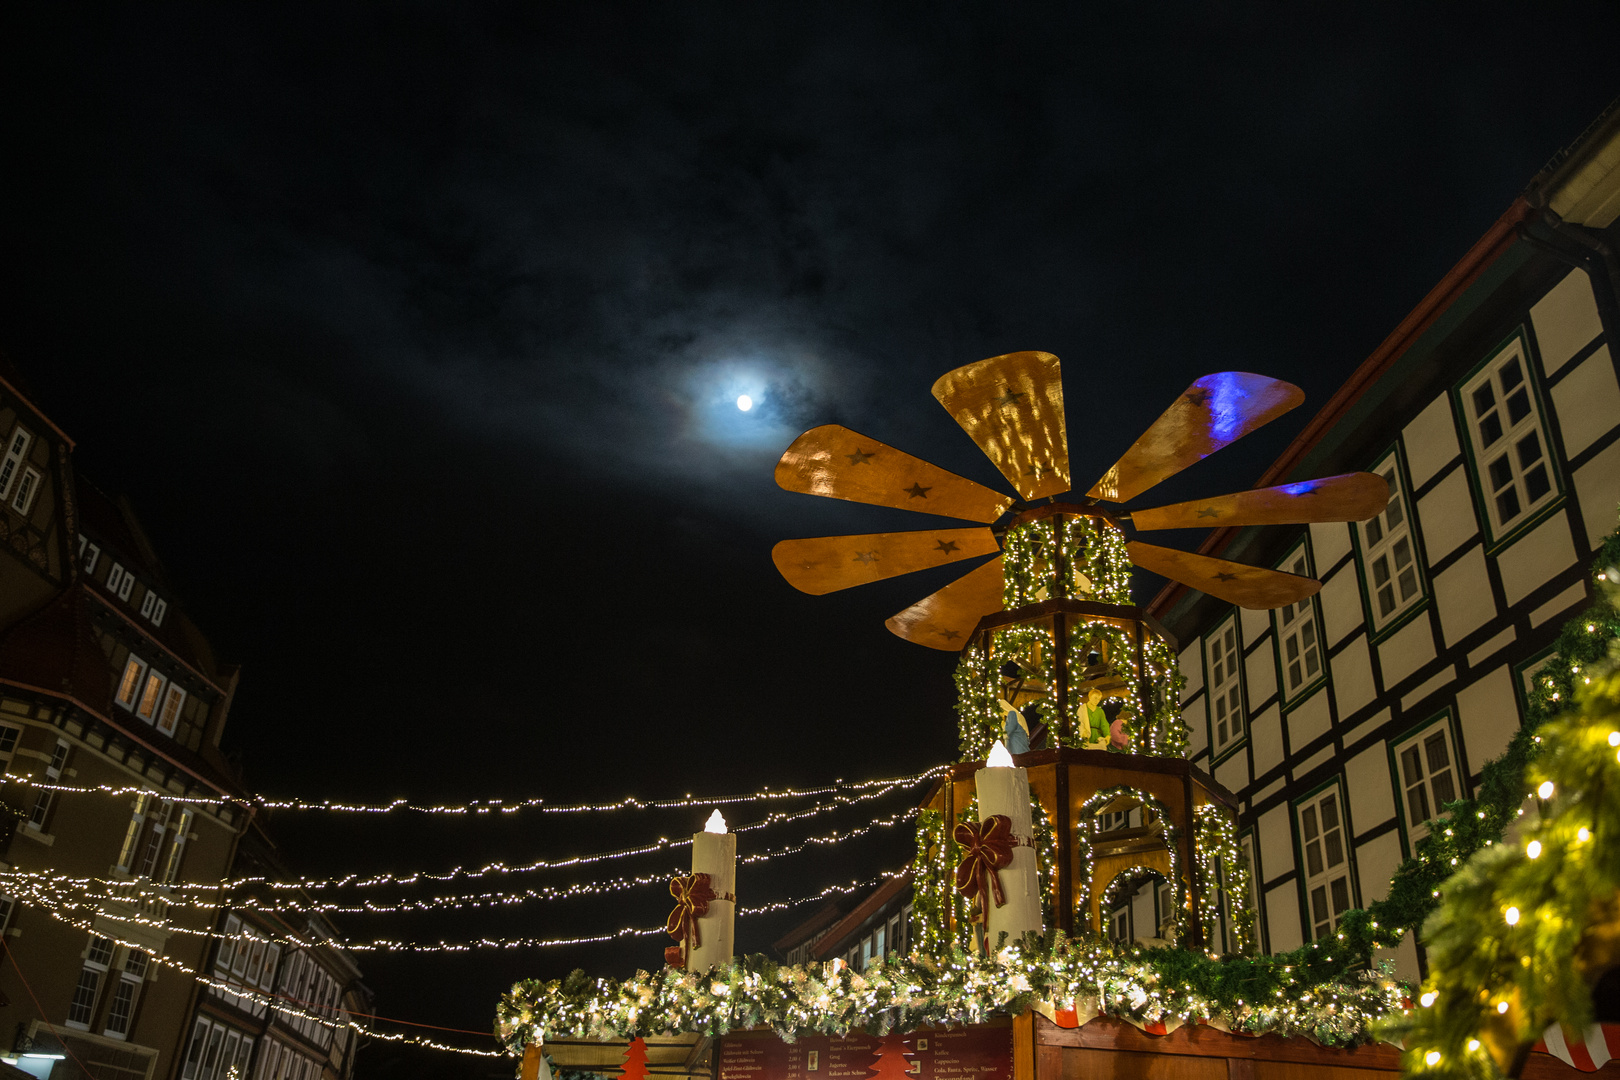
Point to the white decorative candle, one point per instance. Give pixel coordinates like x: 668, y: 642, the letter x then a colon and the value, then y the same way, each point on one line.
x: 1004, y: 789
x: 714, y: 852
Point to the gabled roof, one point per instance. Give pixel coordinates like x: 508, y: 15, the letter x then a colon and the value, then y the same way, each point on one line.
x: 55, y: 652
x: 865, y: 910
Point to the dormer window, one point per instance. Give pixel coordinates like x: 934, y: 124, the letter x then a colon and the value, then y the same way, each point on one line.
x: 151, y: 696
x: 120, y: 581
x: 154, y: 608
x: 27, y: 487
x: 131, y: 682
x: 11, y: 465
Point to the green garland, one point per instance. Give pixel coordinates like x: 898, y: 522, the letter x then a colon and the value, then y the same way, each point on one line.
x: 1248, y: 995
x: 1082, y: 840
x: 1222, y: 871
x: 1525, y: 924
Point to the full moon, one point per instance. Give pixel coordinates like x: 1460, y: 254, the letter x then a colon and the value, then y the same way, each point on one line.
x: 745, y: 403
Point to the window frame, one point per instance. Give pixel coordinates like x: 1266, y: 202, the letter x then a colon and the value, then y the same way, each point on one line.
x: 1220, y: 751
x: 136, y: 981
x: 1299, y: 561
x: 1312, y: 800
x: 99, y: 969
x: 133, y: 689
x: 1418, y: 738
x: 14, y: 458
x: 1380, y: 625
x: 152, y: 690
x: 27, y: 490
x: 168, y: 720
x: 1497, y: 533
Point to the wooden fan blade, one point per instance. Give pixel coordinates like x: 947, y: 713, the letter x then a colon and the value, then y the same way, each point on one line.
x: 1236, y: 583
x: 947, y: 619
x: 830, y: 563
x: 1012, y: 406
x: 838, y: 463
x: 1350, y: 497
x: 1216, y: 411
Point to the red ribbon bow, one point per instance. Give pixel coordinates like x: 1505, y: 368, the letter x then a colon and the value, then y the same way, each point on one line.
x: 692, y: 896
x: 987, y: 847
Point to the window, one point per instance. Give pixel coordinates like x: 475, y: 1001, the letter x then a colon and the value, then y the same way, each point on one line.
x: 1119, y: 924
x: 1428, y: 777
x: 97, y: 959
x: 159, y: 609
x: 1225, y: 686
x: 130, y: 683
x: 12, y: 463
x: 8, y: 741
x: 1298, y: 642
x: 120, y: 581
x: 121, y: 1011
x: 89, y: 555
x: 40, y: 814
x: 170, y: 716
x: 1388, y: 554
x: 1164, y: 903
x: 26, y: 487
x: 1327, y: 862
x: 155, y: 840
x: 151, y: 696
x: 1509, y: 441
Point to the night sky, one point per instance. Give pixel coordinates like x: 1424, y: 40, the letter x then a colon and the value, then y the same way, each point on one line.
x: 414, y: 334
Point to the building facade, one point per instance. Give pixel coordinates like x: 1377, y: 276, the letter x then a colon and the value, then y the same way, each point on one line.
x: 1344, y: 723
x: 105, y: 683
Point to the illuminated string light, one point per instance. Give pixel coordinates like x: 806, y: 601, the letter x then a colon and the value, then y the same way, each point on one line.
x: 480, y: 806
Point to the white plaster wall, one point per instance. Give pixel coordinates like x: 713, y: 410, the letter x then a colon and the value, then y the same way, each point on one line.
x: 1282, y: 918
x: 1254, y: 625
x: 1565, y: 320
x: 1536, y: 557
x: 1233, y: 773
x: 1341, y: 605
x: 1587, y: 402
x: 1276, y: 843
x: 1265, y: 738
x: 1191, y: 662
x: 1260, y: 673
x: 1446, y: 516
x: 1376, y: 861
x: 1406, y: 650
x: 1489, y: 714
x: 1462, y: 596
x: 1309, y: 721
x: 1430, y: 440
x: 1597, y: 486
x: 1330, y: 542
x: 1196, y: 717
x: 1353, y: 686
x: 1369, y: 788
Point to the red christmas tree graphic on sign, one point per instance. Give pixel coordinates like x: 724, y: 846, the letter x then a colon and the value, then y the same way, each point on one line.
x: 635, y: 1060
x: 891, y: 1060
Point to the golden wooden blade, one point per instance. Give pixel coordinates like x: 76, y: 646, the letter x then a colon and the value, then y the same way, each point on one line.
x: 1012, y: 406
x: 1350, y: 497
x: 1245, y: 586
x: 947, y: 619
x: 1216, y: 411
x: 830, y: 563
x: 838, y: 463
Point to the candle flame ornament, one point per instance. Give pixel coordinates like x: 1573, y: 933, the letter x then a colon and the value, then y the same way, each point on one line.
x: 715, y: 824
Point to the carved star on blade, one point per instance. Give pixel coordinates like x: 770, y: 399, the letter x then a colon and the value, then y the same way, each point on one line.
x: 1011, y: 397
x: 1033, y: 470
x: 949, y: 635
x: 1209, y: 511
x: 859, y: 457
x: 1198, y: 397
x: 866, y: 557
x: 1224, y: 576
x: 917, y: 491
x: 945, y: 547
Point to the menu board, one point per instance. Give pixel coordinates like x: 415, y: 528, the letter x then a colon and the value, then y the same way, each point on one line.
x: 970, y: 1053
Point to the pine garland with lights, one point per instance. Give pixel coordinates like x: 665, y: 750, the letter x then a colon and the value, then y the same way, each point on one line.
x: 1082, y: 840
x: 896, y: 994
x: 1222, y: 871
x: 1524, y: 926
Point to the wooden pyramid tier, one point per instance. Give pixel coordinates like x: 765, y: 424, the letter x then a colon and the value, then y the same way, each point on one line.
x: 1106, y: 824
x: 1081, y: 665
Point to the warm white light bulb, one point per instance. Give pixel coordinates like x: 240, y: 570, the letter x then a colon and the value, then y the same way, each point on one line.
x: 1432, y: 1057
x: 715, y: 824
x: 1501, y: 1007
x: 1512, y: 916
x: 999, y: 758
x: 1545, y: 790
x: 744, y: 402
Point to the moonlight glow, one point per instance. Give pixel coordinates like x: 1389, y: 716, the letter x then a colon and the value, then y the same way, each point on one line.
x: 744, y: 402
